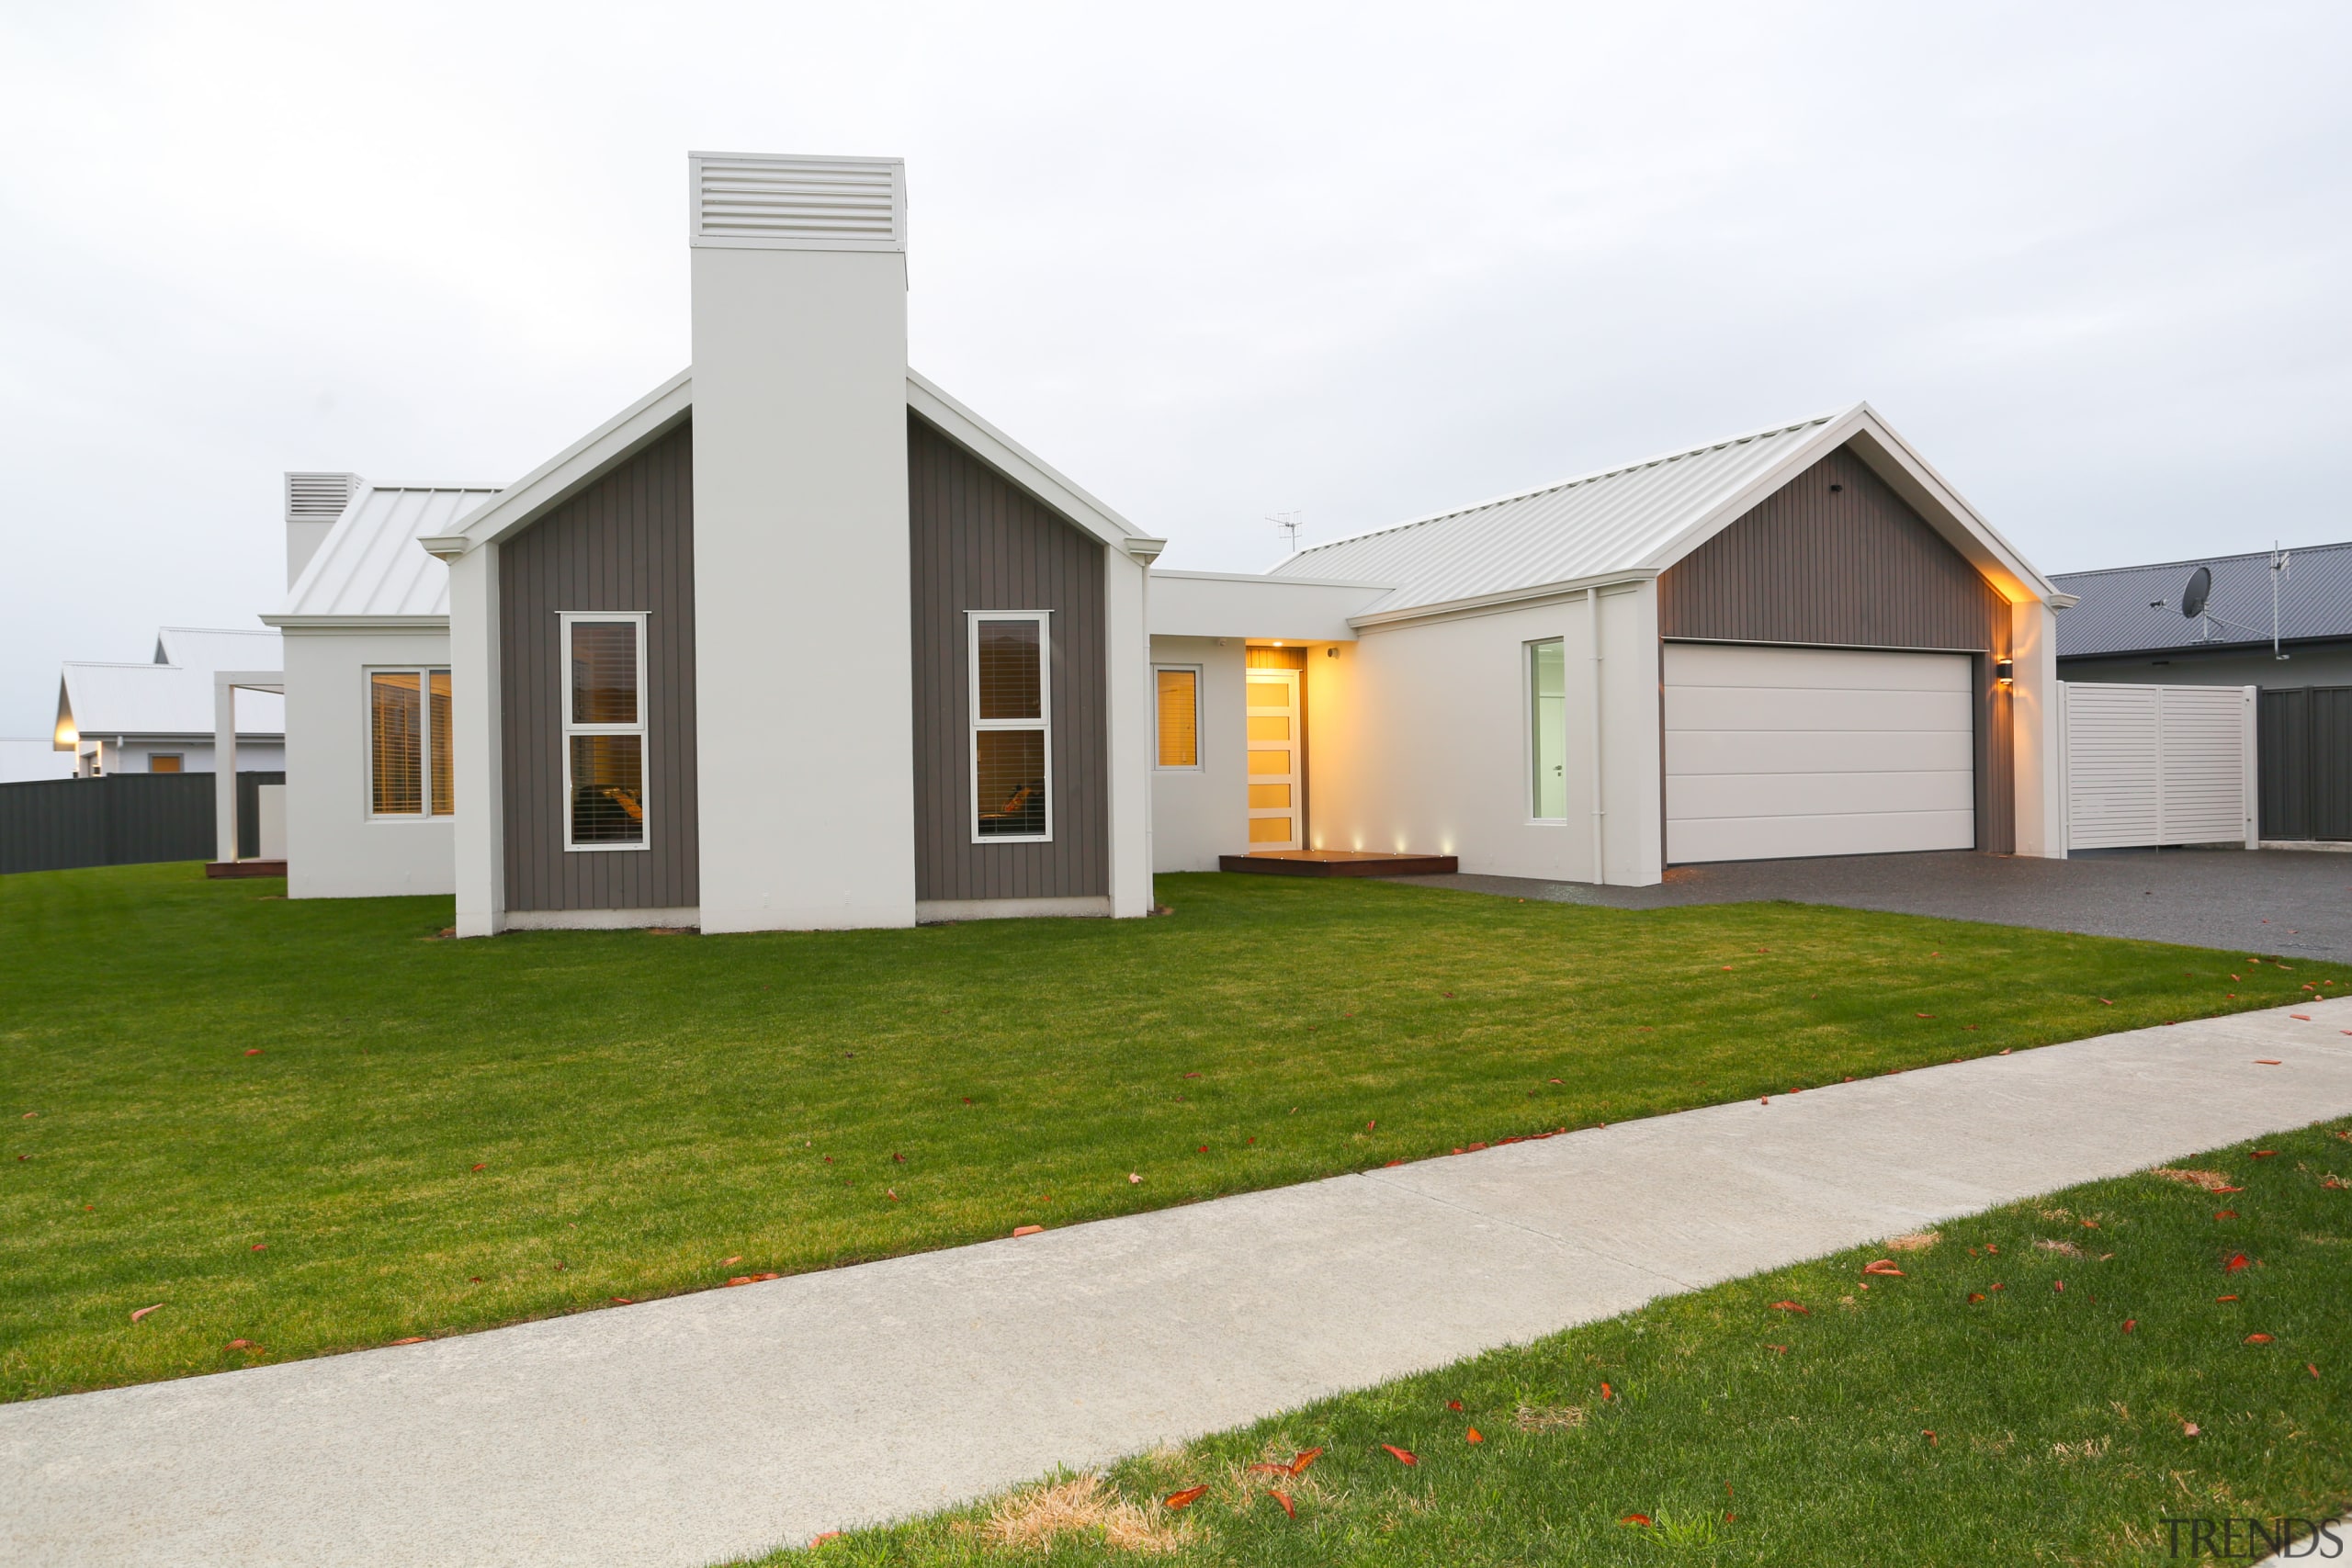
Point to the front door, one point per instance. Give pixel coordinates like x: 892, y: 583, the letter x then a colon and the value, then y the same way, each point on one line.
x: 1277, y: 753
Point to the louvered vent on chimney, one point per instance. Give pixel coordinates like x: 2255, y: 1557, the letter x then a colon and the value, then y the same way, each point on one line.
x: 318, y: 498
x: 754, y: 202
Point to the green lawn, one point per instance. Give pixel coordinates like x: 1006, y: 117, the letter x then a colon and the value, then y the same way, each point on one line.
x: 2047, y: 1384
x: 313, y: 1126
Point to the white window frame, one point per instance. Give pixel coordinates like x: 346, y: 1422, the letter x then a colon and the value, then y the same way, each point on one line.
x: 1043, y: 721
x: 1527, y: 728
x: 1200, y: 701
x: 423, y: 673
x: 642, y: 728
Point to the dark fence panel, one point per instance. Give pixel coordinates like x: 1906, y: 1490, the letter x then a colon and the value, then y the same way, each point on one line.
x: 2305, y: 739
x: 121, y: 820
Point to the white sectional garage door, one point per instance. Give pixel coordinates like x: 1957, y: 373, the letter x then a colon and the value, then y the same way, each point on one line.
x: 1775, y: 752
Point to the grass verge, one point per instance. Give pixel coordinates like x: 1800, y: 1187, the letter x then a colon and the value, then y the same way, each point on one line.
x: 2087, y: 1378
x: 297, y: 1128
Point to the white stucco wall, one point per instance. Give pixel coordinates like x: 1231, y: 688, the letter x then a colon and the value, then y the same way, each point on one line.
x: 333, y: 849
x: 196, y: 756
x: 802, y: 641
x: 1198, y: 814
x: 1419, y: 742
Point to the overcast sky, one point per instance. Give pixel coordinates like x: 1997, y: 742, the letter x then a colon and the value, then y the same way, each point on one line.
x: 1213, y: 262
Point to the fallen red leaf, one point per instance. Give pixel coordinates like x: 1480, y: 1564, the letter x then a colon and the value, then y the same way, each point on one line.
x: 412, y: 1339
x: 1998, y: 1286
x: 1930, y: 1436
x: 1184, y: 1499
x: 820, y: 1540
x: 1927, y: 1015
x: 2104, y: 1002
x: 1280, y: 1497
x: 1453, y: 1405
x: 1370, y: 1126
x: 1472, y: 1436
x: 1640, y: 1519
x: 2302, y: 1017
x: 2058, y: 1285
x: 1027, y: 1230
x: 2225, y: 1214
x: 1606, y: 1393
x: 2188, y: 1429
x: 1778, y: 1350
x: 2130, y: 1323
x: 1975, y: 1296
x: 2225, y: 1189
x: 737, y: 1258
x: 261, y: 1246
x: 143, y: 1311
x: 1792, y: 1306
x: 2263, y: 1153
x: 2275, y: 1062
x: 1402, y: 1457
x: 2258, y: 1339
x: 255, y: 1051
x: 479, y: 1166
x: 1298, y: 1466
x: 240, y: 1345
x: 1881, y: 1266
x: 2235, y: 1264
x: 623, y: 1301
x: 2230, y: 1298
x: 2312, y: 1367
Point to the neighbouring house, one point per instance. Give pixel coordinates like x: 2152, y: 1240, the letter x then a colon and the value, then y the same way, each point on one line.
x: 2279, y: 621
x: 371, y: 795
x: 2129, y: 625
x: 160, y: 716
x: 799, y: 641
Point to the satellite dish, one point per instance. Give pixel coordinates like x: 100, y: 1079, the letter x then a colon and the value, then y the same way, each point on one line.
x: 2200, y: 589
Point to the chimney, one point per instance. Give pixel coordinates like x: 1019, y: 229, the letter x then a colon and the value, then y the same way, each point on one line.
x: 313, y: 502
x: 804, y: 677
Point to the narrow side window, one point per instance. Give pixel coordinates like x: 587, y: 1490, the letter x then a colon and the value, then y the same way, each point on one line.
x: 1547, y: 685
x: 395, y: 743
x: 1180, y: 718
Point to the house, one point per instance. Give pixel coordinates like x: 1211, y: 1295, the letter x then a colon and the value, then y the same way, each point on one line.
x: 1797, y: 641
x: 799, y: 641
x: 160, y: 716
x: 371, y: 798
x: 2129, y: 625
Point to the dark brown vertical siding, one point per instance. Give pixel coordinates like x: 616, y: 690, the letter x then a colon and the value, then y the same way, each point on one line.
x: 625, y: 543
x: 1854, y: 567
x: 981, y: 543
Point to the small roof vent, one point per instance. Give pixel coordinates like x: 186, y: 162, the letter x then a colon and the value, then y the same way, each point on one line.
x: 750, y: 202
x: 318, y: 498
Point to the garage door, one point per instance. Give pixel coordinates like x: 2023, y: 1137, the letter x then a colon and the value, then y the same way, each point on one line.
x: 1775, y: 753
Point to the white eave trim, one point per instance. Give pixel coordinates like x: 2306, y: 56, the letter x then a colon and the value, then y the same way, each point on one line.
x: 569, y: 470
x: 358, y: 622
x: 1495, y: 604
x: 1906, y: 472
x: 1025, y: 468
x: 1277, y: 581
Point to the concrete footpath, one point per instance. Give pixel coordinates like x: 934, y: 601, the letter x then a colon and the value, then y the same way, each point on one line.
x: 723, y: 1423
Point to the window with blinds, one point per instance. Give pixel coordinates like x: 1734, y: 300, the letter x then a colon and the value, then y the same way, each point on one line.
x: 409, y: 753
x: 1012, y: 726
x: 1180, y: 717
x: 603, y: 731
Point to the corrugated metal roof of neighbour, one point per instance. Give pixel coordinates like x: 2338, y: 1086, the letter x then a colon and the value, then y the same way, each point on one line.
x: 369, y: 563
x: 218, y: 648
x: 1613, y: 521
x: 2136, y: 609
x: 174, y: 699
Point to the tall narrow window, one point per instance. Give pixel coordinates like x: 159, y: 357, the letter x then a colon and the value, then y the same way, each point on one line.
x: 1180, y: 717
x: 409, y: 772
x: 1547, y: 686
x: 1012, y: 733
x: 604, y: 733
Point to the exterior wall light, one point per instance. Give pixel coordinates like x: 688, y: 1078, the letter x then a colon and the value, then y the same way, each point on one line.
x: 2004, y: 670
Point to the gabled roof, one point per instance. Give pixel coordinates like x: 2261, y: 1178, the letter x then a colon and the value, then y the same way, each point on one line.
x: 2117, y: 610
x: 368, y: 571
x: 655, y: 414
x: 150, y: 699
x: 1638, y: 519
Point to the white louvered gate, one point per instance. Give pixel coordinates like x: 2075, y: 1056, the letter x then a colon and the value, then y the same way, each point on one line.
x: 2158, y: 765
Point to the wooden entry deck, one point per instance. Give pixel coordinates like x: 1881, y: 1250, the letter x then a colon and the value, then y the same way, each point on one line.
x: 1337, y: 863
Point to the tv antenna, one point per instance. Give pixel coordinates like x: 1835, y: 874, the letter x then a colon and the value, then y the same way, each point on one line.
x: 1289, y: 523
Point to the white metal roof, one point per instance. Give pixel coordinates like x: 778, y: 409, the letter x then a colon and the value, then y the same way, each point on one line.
x: 1617, y: 520
x: 1641, y: 518
x: 152, y: 699
x: 369, y: 565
